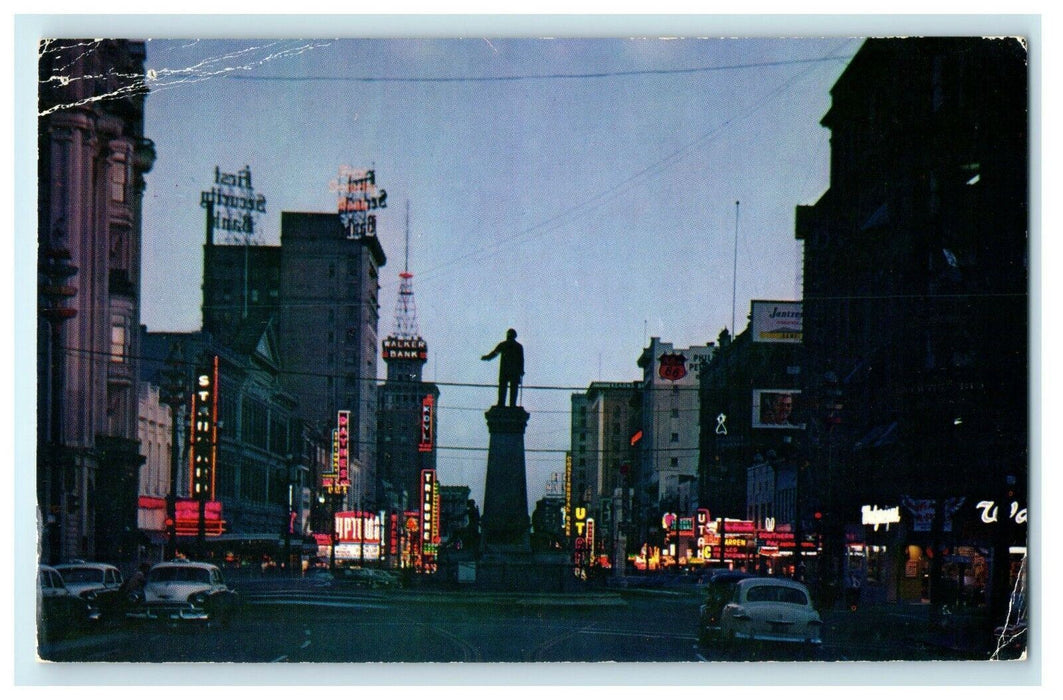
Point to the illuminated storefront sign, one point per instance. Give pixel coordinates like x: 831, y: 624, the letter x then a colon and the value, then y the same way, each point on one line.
x: 186, y: 517
x: 358, y: 535
x: 427, y: 408
x: 233, y: 202
x: 404, y: 349
x: 590, y: 539
x: 581, y: 543
x: 990, y: 512
x: 343, y: 478
x: 356, y: 196
x: 875, y: 516
x: 203, y: 440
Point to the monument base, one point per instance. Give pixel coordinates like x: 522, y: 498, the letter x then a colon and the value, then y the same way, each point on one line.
x: 524, y: 573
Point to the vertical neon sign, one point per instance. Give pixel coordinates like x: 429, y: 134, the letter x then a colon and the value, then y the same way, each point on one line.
x: 343, y: 419
x: 427, y: 408
x: 203, y: 441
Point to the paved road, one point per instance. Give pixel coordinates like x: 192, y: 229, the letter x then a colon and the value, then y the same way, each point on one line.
x: 369, y: 627
x: 340, y: 626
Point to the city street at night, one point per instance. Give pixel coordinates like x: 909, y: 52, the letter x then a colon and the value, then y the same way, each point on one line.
x: 674, y: 345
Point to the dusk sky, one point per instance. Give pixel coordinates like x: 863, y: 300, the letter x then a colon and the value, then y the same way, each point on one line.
x: 580, y: 191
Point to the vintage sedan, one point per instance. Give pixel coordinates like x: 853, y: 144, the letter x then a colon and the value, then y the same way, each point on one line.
x: 59, y: 612
x: 771, y: 610
x: 99, y: 585
x: 184, y: 591
x: 718, y: 593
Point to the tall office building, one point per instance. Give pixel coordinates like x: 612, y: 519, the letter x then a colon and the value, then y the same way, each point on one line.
x: 327, y: 333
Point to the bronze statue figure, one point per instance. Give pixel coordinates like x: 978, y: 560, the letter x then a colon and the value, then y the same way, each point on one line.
x: 510, y: 368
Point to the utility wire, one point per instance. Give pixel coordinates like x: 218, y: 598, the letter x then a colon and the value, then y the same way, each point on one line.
x: 541, y: 76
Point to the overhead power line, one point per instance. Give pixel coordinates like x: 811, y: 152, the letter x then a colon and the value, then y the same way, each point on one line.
x: 541, y: 76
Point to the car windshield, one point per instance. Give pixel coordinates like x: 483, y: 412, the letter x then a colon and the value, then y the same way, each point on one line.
x: 83, y: 575
x: 776, y: 594
x: 179, y: 573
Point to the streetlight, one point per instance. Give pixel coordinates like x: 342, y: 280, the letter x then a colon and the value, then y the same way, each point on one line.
x: 173, y: 395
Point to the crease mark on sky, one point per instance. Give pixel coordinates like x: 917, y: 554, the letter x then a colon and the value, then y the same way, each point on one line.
x: 158, y: 80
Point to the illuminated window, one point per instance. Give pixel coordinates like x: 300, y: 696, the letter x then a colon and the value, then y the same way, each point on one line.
x: 118, y: 341
x: 119, y: 180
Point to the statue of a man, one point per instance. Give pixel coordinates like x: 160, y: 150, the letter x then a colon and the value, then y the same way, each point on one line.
x: 510, y: 368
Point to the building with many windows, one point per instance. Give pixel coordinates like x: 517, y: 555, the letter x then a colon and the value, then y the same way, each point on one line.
x: 669, y: 444
x: 327, y: 334
x: 93, y: 157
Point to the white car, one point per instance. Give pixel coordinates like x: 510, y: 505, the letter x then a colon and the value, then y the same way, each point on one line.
x: 184, y: 591
x: 99, y: 585
x: 771, y: 610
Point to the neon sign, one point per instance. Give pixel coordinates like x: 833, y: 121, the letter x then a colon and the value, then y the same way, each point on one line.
x: 233, y: 193
x: 343, y: 477
x: 186, y: 517
x: 875, y: 516
x: 357, y: 195
x: 404, y: 349
x: 204, y: 438
x: 990, y: 512
x: 426, y: 424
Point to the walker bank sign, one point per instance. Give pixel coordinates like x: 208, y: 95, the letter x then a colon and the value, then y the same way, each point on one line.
x: 777, y: 322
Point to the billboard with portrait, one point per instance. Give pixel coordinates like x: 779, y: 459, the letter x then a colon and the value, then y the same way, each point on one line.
x: 778, y: 409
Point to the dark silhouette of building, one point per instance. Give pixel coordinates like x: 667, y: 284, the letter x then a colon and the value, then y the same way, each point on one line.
x: 916, y: 291
x: 406, y: 418
x: 93, y: 157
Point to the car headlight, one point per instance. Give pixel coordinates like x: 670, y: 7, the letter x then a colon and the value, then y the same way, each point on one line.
x: 199, y: 598
x: 89, y: 596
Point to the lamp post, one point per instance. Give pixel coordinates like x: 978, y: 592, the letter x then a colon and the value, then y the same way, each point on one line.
x: 55, y: 271
x: 173, y: 395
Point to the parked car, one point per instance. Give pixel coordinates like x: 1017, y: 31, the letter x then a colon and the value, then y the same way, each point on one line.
x: 59, y: 612
x: 320, y: 578
x: 771, y: 610
x: 370, y: 578
x: 184, y: 591
x: 99, y: 585
x: 718, y: 592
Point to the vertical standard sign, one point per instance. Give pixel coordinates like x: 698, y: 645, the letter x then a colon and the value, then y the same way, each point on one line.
x: 426, y: 424
x: 204, y: 438
x: 343, y: 478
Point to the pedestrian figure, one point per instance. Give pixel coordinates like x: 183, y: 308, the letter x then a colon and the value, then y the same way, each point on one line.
x: 852, y: 590
x: 135, y: 583
x: 510, y: 368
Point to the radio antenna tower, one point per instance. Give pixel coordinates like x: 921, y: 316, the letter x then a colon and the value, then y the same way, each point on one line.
x: 406, y: 307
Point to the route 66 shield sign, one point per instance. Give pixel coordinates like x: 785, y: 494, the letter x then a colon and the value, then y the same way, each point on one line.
x: 672, y: 366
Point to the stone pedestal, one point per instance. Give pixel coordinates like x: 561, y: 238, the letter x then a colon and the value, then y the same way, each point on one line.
x: 504, y: 523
